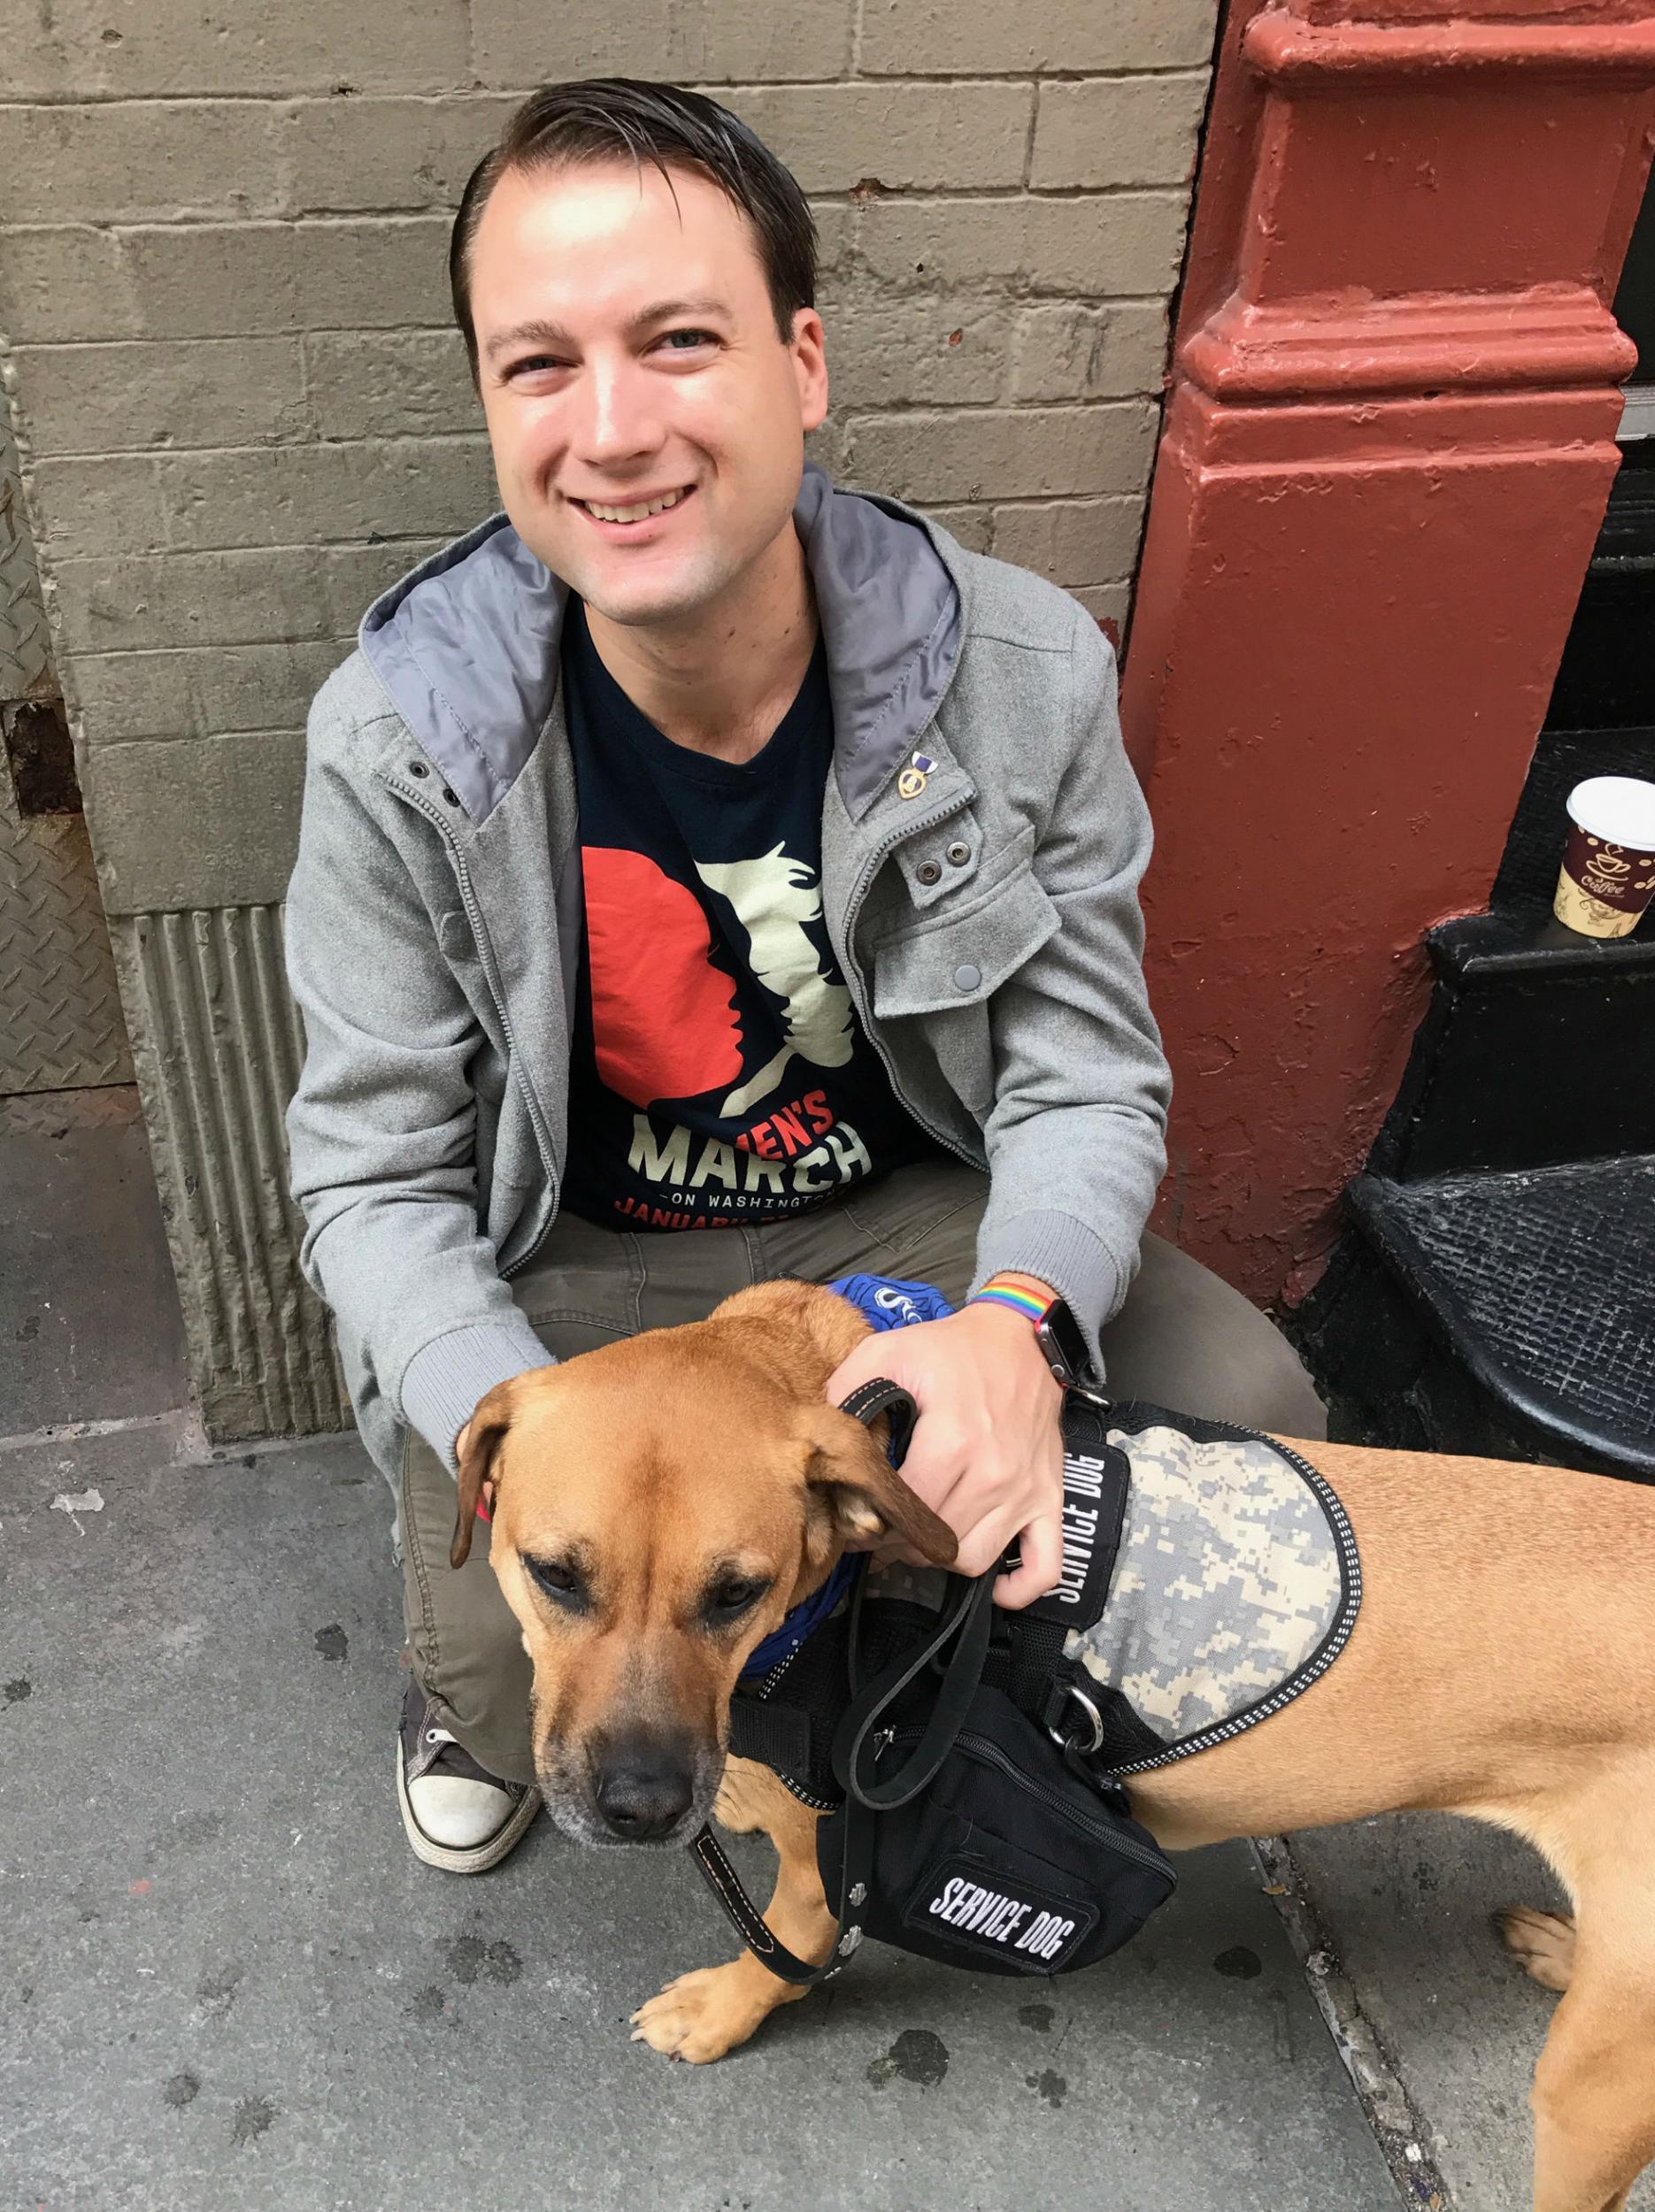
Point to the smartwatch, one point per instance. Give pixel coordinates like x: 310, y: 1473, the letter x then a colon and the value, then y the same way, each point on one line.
x: 1057, y: 1332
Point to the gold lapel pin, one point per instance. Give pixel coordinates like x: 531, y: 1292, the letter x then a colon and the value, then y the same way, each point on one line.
x: 912, y: 781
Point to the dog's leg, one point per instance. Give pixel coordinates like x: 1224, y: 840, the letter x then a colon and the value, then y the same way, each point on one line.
x: 1542, y: 1943
x: 702, y: 2016
x: 1594, y: 2093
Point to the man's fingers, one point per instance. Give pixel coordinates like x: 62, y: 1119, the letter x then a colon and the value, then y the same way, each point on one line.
x: 1040, y: 1547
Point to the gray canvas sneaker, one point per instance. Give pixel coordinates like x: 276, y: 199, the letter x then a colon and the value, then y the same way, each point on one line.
x: 457, y: 1816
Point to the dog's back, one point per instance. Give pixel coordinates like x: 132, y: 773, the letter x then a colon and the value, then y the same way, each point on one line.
x: 1503, y: 1666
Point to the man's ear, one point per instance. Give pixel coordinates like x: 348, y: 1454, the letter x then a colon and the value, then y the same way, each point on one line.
x: 486, y: 1433
x: 862, y: 1495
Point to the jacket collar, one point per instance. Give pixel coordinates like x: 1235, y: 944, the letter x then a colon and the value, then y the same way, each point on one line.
x: 467, y: 645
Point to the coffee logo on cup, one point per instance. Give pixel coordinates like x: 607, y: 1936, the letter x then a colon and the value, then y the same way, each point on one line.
x: 1607, y: 872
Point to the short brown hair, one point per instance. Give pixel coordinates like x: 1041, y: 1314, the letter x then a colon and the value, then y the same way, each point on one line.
x: 606, y: 118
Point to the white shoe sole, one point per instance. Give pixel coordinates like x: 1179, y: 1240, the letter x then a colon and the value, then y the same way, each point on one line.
x: 478, y: 1857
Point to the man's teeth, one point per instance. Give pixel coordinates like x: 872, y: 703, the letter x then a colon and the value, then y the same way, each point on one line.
x: 632, y: 514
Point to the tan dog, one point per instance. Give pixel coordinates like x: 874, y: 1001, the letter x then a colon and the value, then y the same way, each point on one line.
x: 659, y: 1504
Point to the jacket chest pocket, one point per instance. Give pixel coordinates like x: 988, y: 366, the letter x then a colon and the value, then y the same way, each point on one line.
x: 940, y: 973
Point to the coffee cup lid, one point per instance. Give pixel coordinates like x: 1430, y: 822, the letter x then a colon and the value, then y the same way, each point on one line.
x: 1621, y: 810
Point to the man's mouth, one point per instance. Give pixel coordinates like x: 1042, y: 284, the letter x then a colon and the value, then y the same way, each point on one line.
x: 638, y: 511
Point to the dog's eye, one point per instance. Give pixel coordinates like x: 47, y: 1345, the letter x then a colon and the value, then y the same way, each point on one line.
x: 558, y: 1582
x: 726, y: 1600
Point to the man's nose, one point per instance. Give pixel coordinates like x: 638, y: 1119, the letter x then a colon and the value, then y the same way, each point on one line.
x: 617, y: 418
x: 643, y: 1788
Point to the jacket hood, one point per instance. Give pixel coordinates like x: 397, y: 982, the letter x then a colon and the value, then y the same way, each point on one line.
x: 467, y: 645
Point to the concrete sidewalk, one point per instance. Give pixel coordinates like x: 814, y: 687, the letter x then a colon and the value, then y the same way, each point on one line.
x: 225, y: 1981
x: 228, y: 1982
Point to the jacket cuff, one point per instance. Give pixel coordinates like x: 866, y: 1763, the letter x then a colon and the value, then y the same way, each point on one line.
x: 1056, y: 1248
x: 444, y: 1381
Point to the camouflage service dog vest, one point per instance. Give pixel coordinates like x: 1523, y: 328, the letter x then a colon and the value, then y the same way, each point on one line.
x: 1237, y: 1580
x: 1236, y: 1583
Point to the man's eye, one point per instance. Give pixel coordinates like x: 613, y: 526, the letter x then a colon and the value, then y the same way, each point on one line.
x: 727, y: 1600
x: 697, y: 334
x: 530, y: 363
x: 558, y: 1582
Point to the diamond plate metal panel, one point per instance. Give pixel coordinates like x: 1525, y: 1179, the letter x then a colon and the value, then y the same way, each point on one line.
x: 25, y: 647
x: 61, y: 1018
x: 54, y: 1113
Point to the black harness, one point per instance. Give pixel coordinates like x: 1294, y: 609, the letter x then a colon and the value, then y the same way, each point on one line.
x: 921, y: 1735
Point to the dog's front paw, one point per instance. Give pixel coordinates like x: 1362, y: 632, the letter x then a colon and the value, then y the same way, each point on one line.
x: 702, y: 2016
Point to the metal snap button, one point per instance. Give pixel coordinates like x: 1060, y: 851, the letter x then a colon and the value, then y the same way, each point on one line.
x: 418, y: 768
x: 450, y: 796
x: 966, y: 978
x: 927, y: 872
x: 958, y: 854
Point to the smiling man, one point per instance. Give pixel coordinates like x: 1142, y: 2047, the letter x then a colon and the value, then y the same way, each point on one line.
x: 710, y: 875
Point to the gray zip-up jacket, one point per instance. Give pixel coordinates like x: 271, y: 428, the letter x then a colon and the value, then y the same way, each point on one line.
x: 987, y: 927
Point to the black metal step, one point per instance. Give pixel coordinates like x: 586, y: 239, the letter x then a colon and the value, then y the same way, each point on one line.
x: 1537, y: 1049
x: 1541, y: 1288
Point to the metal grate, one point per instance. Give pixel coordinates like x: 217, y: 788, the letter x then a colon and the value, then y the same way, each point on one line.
x: 1541, y: 1282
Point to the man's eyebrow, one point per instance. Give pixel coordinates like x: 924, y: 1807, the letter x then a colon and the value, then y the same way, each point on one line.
x: 539, y: 331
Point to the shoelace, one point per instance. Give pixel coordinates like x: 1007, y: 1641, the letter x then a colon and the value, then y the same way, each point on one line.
x: 447, y: 1735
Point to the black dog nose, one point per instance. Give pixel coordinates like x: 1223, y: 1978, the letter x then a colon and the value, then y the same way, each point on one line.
x: 643, y: 1790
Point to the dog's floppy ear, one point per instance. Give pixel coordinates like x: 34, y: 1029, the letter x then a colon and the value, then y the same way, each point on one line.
x: 488, y: 1428
x: 863, y: 1496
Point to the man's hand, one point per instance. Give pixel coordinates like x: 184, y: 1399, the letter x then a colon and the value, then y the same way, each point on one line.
x: 987, y: 1453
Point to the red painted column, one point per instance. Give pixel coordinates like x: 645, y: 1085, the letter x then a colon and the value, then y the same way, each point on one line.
x: 1388, y: 442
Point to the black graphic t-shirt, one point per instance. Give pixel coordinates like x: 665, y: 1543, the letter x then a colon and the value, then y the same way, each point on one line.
x: 719, y: 1073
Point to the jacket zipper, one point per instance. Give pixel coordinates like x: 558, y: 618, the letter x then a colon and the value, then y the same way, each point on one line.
x: 982, y: 1748
x: 479, y: 931
x: 854, y: 979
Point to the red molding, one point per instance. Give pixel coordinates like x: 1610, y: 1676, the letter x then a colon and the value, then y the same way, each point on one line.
x: 1329, y: 56
x: 1551, y: 336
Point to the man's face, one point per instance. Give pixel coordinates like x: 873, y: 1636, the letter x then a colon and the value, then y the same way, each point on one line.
x: 627, y: 352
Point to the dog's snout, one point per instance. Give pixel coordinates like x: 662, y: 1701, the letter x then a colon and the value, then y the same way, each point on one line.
x: 643, y: 1789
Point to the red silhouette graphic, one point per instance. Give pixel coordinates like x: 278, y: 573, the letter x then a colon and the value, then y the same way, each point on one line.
x: 663, y: 1018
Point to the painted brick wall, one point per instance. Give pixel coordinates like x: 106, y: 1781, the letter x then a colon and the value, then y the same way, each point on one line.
x: 241, y: 413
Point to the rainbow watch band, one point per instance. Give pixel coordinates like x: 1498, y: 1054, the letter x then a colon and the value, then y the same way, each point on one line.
x: 1010, y: 1291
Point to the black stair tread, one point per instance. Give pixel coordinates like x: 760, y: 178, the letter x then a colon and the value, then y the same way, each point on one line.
x: 1541, y: 1282
x: 1515, y: 941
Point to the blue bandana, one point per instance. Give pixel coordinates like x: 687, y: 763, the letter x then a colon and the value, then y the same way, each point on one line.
x: 888, y: 1305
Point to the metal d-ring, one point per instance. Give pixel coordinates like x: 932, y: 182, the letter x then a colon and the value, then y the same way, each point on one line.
x: 1069, y: 1743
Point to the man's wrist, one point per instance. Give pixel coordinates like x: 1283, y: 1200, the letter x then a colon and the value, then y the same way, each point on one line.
x: 1061, y: 1340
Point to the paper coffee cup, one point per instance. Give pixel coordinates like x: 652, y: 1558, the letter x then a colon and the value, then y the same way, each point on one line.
x: 1608, y: 873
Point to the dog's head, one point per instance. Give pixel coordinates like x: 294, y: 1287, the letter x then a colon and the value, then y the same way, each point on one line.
x: 657, y: 1507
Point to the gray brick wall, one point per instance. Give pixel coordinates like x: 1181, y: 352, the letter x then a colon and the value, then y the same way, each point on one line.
x: 240, y: 412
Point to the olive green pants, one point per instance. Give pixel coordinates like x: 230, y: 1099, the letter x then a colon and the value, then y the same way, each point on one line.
x: 1182, y: 1339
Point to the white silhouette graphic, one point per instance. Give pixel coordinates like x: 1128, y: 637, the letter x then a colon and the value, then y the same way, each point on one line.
x: 774, y: 897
